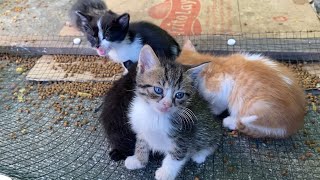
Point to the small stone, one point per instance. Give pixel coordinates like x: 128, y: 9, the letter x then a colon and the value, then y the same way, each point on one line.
x: 231, y: 42
x: 76, y: 41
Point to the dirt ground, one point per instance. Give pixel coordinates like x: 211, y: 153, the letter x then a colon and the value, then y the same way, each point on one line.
x: 33, y: 17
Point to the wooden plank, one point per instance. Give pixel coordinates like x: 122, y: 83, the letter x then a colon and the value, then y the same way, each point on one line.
x: 194, y: 17
x: 270, y: 44
x: 44, y: 45
x: 275, y: 16
x: 187, y: 17
x: 44, y: 70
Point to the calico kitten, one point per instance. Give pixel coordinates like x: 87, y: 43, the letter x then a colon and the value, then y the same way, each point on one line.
x: 162, y: 116
x: 112, y: 35
x: 263, y: 96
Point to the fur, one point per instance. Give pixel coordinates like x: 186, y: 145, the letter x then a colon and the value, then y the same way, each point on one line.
x: 113, y: 35
x: 114, y: 116
x: 164, y: 121
x: 118, y: 37
x: 262, y: 95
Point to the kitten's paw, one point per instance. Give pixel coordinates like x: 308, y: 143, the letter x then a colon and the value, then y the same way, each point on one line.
x: 164, y: 174
x: 117, y: 155
x: 133, y: 163
x: 201, y: 155
x: 199, y: 158
x: 230, y: 122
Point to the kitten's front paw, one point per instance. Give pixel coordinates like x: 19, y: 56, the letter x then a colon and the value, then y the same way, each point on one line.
x: 133, y: 163
x: 164, y: 174
x: 230, y: 122
x: 199, y: 158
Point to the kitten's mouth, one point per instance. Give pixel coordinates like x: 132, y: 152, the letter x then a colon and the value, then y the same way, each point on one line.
x: 102, y: 51
x: 164, y: 109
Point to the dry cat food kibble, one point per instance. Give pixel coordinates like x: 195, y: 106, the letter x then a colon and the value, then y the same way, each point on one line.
x: 98, y: 66
x: 73, y: 89
x: 306, y: 80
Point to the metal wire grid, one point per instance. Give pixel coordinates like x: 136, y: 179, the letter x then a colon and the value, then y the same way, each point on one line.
x: 44, y: 150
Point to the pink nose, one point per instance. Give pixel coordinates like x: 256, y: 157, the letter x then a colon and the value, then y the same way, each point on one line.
x: 167, y: 104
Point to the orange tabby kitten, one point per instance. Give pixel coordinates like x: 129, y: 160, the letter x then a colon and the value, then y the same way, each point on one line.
x: 263, y: 96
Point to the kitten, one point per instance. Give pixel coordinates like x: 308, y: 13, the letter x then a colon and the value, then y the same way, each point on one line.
x: 84, y: 15
x: 162, y: 116
x: 263, y: 96
x: 114, y: 116
x: 112, y: 35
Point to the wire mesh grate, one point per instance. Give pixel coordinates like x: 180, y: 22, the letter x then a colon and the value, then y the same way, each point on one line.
x: 49, y: 128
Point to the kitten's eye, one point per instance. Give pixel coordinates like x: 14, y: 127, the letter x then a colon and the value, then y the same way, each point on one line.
x: 158, y: 90
x: 179, y: 95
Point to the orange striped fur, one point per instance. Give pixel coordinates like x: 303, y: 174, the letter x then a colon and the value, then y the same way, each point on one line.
x: 263, y: 96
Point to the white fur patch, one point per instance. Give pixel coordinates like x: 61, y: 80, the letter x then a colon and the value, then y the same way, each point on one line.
x: 268, y: 62
x: 151, y: 125
x: 100, y: 31
x: 124, y: 50
x: 120, y: 51
x: 132, y: 163
x: 253, y: 57
x: 170, y: 168
x: 218, y: 100
x: 230, y: 122
x: 200, y: 156
x: 247, y: 121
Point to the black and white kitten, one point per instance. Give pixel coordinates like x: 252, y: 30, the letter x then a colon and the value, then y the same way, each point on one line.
x: 85, y: 14
x: 112, y: 35
x: 169, y: 117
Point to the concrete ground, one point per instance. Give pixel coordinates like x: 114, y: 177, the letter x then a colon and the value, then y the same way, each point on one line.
x: 33, y: 17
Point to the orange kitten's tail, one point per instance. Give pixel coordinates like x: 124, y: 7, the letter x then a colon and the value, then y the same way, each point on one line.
x: 245, y: 126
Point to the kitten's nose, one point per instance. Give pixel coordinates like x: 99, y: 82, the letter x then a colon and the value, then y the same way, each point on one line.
x: 167, y: 103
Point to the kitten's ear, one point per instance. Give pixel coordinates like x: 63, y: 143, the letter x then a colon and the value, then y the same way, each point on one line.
x: 147, y: 59
x: 84, y: 18
x: 123, y: 20
x: 187, y: 45
x: 196, y: 70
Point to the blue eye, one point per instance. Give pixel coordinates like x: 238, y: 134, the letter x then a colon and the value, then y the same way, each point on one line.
x: 179, y: 95
x: 158, y: 90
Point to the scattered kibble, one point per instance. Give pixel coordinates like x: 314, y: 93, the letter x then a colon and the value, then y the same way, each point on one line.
x: 231, y: 169
x: 13, y: 135
x: 20, y: 70
x: 93, y: 128
x: 65, y: 123
x: 233, y: 133
x: 309, y: 154
x: 284, y: 173
x: 302, y: 157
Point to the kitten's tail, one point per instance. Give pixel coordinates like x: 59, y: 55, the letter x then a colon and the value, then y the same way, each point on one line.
x: 89, y: 8
x: 244, y: 126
